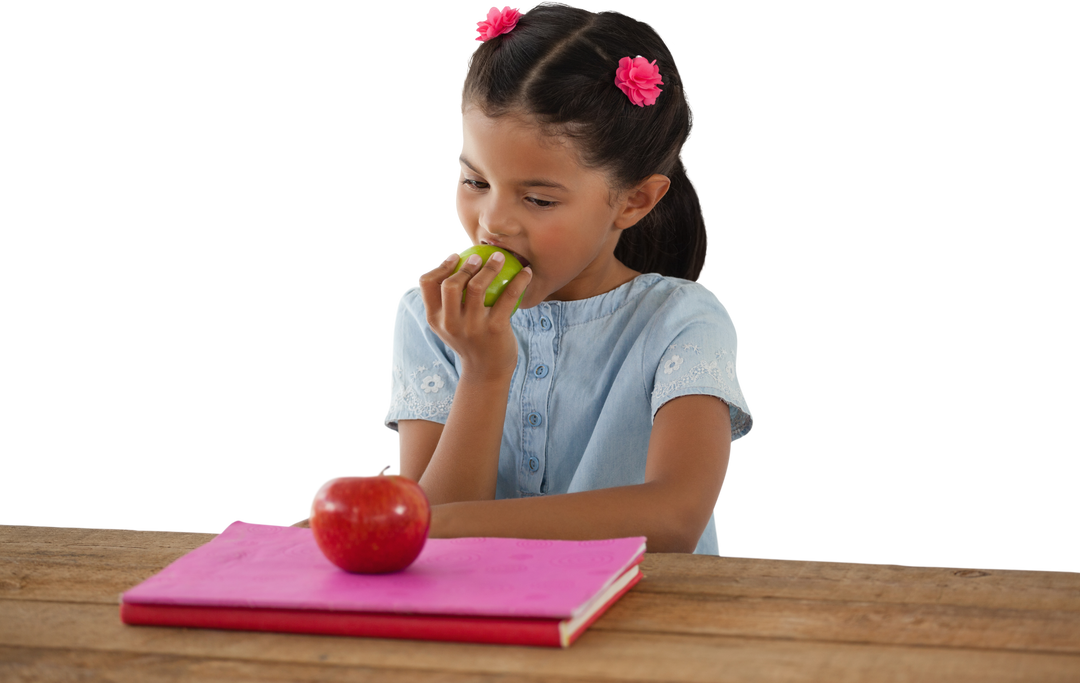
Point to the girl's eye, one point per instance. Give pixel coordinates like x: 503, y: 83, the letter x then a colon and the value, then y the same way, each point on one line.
x: 539, y: 202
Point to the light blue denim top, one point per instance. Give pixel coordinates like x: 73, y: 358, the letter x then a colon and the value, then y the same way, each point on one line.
x: 590, y: 376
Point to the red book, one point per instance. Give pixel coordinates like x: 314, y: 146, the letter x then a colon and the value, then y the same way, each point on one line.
x: 482, y: 590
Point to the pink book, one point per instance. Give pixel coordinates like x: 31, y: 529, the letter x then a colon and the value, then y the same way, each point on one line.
x: 490, y: 590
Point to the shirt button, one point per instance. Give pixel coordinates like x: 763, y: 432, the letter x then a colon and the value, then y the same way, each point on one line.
x: 545, y: 324
x: 535, y: 419
x: 541, y: 371
x: 534, y: 463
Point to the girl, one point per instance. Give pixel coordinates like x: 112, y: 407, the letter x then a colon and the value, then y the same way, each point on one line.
x: 606, y: 405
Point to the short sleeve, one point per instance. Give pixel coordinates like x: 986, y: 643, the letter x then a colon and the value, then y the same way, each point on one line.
x: 692, y: 342
x: 425, y: 376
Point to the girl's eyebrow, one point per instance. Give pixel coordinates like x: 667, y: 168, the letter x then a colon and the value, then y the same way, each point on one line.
x: 535, y: 182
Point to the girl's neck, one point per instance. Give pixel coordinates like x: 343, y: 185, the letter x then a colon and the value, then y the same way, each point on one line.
x: 595, y: 280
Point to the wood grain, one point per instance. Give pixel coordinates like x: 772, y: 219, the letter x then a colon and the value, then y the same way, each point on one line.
x: 692, y: 618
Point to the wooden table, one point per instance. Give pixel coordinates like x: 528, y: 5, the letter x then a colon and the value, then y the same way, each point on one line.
x: 690, y: 619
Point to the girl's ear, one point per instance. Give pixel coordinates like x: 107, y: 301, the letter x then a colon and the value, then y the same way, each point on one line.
x: 640, y: 200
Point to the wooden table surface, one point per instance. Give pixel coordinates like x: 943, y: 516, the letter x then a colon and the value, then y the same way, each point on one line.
x: 691, y: 618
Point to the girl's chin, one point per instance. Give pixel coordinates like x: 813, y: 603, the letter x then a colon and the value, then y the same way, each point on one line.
x: 531, y: 299
x: 527, y: 303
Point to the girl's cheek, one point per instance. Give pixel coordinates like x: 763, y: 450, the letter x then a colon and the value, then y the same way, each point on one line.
x: 465, y: 210
x: 460, y: 204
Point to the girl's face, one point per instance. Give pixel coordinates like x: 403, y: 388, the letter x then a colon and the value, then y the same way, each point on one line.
x: 530, y: 195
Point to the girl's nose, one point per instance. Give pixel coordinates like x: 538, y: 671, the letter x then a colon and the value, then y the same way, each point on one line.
x: 497, y: 215
x: 499, y: 226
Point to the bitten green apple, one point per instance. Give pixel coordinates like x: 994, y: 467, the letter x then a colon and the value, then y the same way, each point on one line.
x: 510, y: 268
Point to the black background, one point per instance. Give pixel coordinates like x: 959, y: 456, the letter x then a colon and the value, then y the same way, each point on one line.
x: 202, y: 331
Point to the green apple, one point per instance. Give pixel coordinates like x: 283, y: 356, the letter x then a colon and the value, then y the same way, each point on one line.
x: 510, y: 268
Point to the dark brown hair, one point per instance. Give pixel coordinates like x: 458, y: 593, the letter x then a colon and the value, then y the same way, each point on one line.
x: 558, y: 67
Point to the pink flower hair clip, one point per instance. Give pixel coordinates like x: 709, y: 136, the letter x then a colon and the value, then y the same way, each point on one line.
x: 497, y: 23
x: 638, y: 78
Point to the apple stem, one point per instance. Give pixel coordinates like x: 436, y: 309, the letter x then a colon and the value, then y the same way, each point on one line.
x: 384, y: 470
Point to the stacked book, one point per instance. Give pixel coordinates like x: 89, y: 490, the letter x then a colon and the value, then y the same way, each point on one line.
x: 484, y: 590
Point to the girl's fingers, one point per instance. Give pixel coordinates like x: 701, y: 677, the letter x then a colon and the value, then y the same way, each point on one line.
x: 453, y: 286
x: 448, y: 295
x: 476, y: 290
x: 441, y: 270
x: 431, y: 283
x: 504, y: 307
x: 451, y: 262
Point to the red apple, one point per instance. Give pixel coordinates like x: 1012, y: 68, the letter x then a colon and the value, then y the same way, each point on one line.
x: 371, y: 525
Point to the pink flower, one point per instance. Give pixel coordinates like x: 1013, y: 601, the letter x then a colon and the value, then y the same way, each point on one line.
x: 638, y: 78
x: 498, y: 23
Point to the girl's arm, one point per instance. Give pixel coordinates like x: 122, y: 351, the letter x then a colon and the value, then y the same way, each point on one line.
x: 685, y: 467
x: 458, y: 461
x: 418, y: 440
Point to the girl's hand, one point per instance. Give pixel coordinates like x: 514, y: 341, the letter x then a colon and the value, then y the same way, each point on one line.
x: 481, y: 336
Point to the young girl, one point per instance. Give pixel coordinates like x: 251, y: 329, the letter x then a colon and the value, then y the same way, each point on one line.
x: 606, y: 405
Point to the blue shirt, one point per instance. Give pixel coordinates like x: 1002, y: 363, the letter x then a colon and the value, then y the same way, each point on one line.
x: 590, y: 376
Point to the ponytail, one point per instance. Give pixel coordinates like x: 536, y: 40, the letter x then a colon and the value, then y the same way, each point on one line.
x: 670, y: 240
